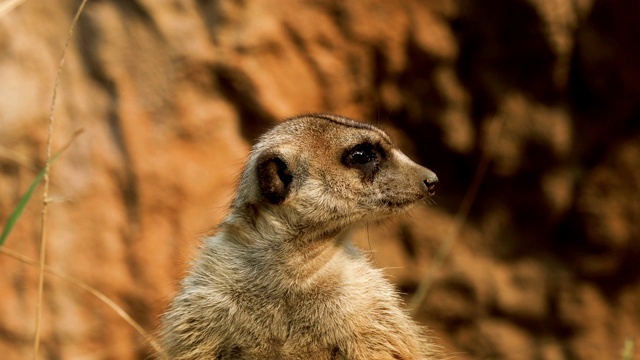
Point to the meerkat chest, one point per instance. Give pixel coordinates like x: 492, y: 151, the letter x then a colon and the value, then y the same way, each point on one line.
x: 319, y: 318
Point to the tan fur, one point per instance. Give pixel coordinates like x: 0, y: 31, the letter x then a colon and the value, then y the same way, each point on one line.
x: 280, y: 280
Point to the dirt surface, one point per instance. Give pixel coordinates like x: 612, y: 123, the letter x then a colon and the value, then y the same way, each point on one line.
x: 172, y: 93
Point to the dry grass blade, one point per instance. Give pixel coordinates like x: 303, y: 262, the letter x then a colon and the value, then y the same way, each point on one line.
x: 43, y: 227
x: 16, y: 157
x: 460, y: 219
x: 102, y: 297
x: 8, y: 5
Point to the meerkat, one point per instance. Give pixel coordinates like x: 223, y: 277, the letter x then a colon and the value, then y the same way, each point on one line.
x: 280, y: 279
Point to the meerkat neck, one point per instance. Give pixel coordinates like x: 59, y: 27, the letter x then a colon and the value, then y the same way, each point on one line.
x: 305, y: 254
x: 251, y: 224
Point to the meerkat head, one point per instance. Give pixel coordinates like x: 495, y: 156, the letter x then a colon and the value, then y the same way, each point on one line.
x: 328, y: 172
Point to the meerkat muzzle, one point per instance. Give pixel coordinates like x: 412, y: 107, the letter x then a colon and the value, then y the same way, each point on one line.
x: 430, y: 182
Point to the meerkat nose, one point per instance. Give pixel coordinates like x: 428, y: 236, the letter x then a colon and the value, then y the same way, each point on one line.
x: 430, y: 182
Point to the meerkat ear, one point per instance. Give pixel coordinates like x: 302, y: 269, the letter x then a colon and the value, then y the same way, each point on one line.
x: 274, y: 178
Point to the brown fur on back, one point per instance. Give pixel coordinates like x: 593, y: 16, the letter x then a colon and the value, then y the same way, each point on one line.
x: 280, y: 279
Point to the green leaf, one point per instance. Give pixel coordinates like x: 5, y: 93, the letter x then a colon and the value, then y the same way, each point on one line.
x: 24, y: 200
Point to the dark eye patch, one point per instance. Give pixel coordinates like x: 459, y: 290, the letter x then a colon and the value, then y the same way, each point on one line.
x: 365, y: 157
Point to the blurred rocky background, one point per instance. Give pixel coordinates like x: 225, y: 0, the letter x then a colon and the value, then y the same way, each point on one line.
x: 172, y: 93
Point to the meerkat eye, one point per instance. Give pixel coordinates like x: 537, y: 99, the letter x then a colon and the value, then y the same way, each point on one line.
x: 362, y: 154
x: 366, y: 157
x: 363, y: 157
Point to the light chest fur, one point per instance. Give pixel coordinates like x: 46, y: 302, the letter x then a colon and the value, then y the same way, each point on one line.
x: 280, y: 279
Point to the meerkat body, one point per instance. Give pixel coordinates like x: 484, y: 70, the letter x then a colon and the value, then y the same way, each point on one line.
x: 280, y: 280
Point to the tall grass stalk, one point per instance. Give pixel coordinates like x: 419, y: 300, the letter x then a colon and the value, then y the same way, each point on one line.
x: 45, y: 194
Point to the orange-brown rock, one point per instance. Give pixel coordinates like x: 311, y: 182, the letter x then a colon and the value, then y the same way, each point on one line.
x: 172, y: 93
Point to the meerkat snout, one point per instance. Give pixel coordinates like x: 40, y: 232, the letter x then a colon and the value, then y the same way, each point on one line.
x: 280, y: 278
x: 430, y: 181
